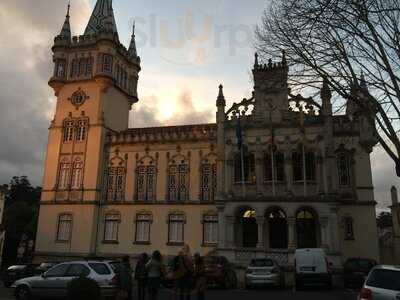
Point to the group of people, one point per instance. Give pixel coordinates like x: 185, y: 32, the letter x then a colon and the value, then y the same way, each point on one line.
x: 187, y: 273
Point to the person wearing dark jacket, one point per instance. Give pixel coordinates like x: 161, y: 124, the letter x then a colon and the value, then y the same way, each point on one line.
x: 155, y: 271
x: 141, y: 276
x: 200, y: 276
x: 125, y: 278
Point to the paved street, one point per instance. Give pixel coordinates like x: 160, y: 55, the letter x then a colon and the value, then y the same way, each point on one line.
x: 6, y: 294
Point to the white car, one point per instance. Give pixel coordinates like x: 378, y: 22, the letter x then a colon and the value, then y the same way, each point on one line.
x: 312, y: 268
x: 53, y: 283
x: 264, y: 272
x: 382, y: 283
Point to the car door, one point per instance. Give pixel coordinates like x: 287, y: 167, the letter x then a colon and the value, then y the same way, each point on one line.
x: 75, y: 270
x: 49, y: 283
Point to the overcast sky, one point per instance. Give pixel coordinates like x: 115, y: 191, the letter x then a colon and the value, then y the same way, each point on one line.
x: 187, y: 49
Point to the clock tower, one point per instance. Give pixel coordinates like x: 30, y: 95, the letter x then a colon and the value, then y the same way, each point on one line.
x: 95, y: 81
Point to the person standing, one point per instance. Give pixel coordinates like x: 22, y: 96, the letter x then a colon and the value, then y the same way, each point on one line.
x: 200, y: 276
x: 154, y: 270
x: 125, y: 280
x: 141, y: 276
x: 184, y: 274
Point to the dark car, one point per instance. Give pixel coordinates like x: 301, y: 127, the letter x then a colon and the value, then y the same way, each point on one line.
x: 220, y: 272
x: 356, y: 270
x: 16, y: 272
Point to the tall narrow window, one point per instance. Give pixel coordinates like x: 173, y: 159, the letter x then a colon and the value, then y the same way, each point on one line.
x: 349, y: 228
x: 300, y: 161
x: 89, y: 66
x: 343, y: 167
x: 175, y: 228
x: 63, y: 177
x: 178, y: 182
x: 81, y: 130
x: 248, y: 168
x: 60, y: 68
x: 143, y: 222
x: 274, y: 166
x: 210, y: 229
x: 77, y: 174
x: 111, y: 226
x: 68, y: 131
x: 107, y: 63
x: 64, y: 227
x: 146, y: 183
x: 297, y: 164
x: 82, y: 66
x: 74, y: 68
x: 310, y: 166
x: 116, y: 184
x: 208, y: 182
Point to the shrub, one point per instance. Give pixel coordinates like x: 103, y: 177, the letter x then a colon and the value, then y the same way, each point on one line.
x: 83, y: 288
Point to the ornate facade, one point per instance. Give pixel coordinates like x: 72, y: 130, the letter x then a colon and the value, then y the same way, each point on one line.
x: 303, y: 178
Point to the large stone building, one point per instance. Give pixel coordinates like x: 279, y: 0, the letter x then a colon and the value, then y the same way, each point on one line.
x: 110, y: 190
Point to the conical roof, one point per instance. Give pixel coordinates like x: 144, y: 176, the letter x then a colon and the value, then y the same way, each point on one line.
x: 66, y: 29
x: 102, y: 18
x: 132, y: 46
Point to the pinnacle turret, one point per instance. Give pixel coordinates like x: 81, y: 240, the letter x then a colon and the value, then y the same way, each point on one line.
x: 326, y: 96
x: 221, y: 98
x: 66, y: 29
x: 102, y: 18
x: 132, y: 47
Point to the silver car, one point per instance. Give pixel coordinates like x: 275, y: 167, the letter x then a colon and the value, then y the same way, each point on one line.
x: 382, y: 283
x: 53, y: 283
x: 264, y: 272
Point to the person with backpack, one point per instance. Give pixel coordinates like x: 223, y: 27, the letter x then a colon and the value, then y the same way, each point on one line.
x: 184, y: 274
x: 155, y: 271
x: 141, y: 276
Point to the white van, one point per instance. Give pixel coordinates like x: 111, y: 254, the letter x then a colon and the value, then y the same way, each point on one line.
x: 312, y: 268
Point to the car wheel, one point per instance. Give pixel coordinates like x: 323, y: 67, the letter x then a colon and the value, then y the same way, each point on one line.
x: 22, y: 293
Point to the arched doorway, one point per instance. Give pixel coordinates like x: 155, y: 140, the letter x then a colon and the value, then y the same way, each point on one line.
x: 277, y: 225
x: 247, y: 229
x: 306, y: 227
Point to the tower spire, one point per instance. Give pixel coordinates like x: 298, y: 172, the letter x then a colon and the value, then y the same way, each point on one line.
x: 102, y: 18
x: 221, y: 98
x: 66, y: 29
x: 132, y: 46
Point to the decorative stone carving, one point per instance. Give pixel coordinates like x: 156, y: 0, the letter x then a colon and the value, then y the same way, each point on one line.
x: 78, y: 98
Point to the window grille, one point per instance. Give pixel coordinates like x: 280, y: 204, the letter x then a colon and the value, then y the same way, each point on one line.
x: 210, y: 229
x: 64, y: 227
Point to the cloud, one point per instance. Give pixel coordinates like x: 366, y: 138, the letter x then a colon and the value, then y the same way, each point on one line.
x: 26, y: 34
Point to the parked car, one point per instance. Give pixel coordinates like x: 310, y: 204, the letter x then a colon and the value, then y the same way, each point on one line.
x: 312, y: 268
x: 356, y: 270
x: 16, y: 272
x: 45, y: 266
x: 220, y: 272
x: 264, y: 272
x: 53, y: 283
x: 382, y: 283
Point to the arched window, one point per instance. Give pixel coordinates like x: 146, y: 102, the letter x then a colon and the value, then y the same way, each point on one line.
x: 146, y: 183
x: 306, y: 226
x: 89, y: 66
x: 178, y: 181
x: 77, y: 174
x: 208, y: 181
x: 248, y: 168
x: 116, y: 183
x: 74, y: 68
x: 303, y: 163
x: 60, y: 68
x: 82, y: 66
x: 274, y: 166
x: 143, y: 223
x: 68, y: 131
x: 111, y: 227
x: 81, y: 130
x: 343, y: 167
x: 64, y: 228
x: 63, y: 175
x: 278, y: 233
x: 210, y: 229
x: 176, y: 224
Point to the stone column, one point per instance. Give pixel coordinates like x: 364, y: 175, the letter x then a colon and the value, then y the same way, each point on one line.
x: 324, y: 223
x: 291, y: 222
x: 260, y: 225
x: 288, y: 170
x: 320, y: 175
x: 334, y: 230
x: 230, y: 231
x: 259, y: 170
x: 221, y: 227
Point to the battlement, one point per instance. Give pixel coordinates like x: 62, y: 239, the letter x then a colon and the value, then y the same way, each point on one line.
x: 271, y: 66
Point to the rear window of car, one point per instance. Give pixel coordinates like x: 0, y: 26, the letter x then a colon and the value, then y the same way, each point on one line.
x: 116, y: 266
x: 384, y: 279
x: 100, y: 268
x: 261, y: 263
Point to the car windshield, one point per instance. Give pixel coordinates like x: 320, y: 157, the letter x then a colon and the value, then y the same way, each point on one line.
x: 384, y: 279
x: 261, y: 263
x: 100, y: 268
